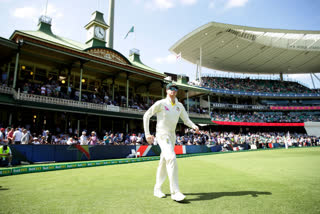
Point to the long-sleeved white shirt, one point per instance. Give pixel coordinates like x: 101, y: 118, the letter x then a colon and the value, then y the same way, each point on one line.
x: 83, y: 140
x: 167, y: 116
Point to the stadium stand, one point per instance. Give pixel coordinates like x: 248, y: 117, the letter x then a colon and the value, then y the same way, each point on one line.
x: 255, y: 85
x: 187, y: 137
x: 267, y: 117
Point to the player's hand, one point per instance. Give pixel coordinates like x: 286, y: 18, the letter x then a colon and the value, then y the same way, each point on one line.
x: 197, y: 130
x: 150, y: 139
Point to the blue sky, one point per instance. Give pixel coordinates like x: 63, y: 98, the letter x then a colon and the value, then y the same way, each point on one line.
x: 161, y: 23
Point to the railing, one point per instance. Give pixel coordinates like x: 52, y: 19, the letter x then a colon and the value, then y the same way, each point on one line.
x: 204, y: 116
x: 6, y: 90
x: 132, y: 111
x: 72, y: 103
x: 238, y: 106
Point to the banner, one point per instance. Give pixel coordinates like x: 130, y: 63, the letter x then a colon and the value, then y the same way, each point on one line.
x: 228, y: 123
x: 113, y: 108
x: 295, y: 107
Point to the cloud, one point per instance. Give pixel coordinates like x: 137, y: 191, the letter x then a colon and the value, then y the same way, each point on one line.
x: 212, y: 4
x: 137, y: 1
x: 170, y: 59
x: 162, y: 4
x: 236, y: 3
x: 25, y: 12
x: 52, y: 11
x: 188, y: 2
x: 166, y: 4
x: 223, y: 5
x: 34, y: 12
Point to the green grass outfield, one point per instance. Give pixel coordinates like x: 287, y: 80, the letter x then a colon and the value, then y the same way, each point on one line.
x: 271, y: 181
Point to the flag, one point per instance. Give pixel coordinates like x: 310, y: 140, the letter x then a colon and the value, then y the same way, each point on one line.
x: 178, y: 57
x: 130, y: 31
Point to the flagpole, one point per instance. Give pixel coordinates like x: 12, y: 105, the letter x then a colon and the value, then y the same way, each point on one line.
x: 179, y: 66
x: 45, y: 14
x: 134, y: 37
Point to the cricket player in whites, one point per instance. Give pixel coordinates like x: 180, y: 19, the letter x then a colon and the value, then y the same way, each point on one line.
x: 168, y: 112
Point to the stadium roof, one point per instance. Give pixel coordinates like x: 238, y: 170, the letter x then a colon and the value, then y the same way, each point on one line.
x: 44, y: 33
x: 242, y: 49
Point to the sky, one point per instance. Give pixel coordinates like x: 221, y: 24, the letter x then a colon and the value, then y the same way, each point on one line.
x: 161, y: 23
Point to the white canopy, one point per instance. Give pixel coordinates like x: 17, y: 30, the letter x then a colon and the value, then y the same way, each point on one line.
x: 242, y: 49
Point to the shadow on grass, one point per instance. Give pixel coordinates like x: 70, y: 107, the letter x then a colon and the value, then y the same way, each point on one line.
x: 214, y: 195
x: 1, y: 188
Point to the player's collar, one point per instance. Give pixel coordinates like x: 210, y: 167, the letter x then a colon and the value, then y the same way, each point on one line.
x: 170, y: 102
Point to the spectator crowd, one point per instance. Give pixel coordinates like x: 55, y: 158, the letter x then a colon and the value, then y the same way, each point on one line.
x: 97, y: 95
x: 188, y: 137
x: 21, y: 135
x: 254, y: 85
x: 267, y: 117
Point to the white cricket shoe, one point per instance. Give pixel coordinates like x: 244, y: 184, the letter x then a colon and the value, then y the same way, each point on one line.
x: 178, y: 196
x: 158, y: 193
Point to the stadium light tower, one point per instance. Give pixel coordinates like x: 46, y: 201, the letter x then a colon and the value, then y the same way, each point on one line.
x: 111, y: 24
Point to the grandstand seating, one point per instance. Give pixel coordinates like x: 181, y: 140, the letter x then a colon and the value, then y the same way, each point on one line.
x: 267, y: 117
x: 255, y: 85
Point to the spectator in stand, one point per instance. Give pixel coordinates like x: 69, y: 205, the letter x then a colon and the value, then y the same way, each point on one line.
x: 107, y: 139
x: 70, y: 141
x: 83, y: 138
x: 196, y: 140
x: 93, y: 140
x: 178, y: 141
x: 69, y: 91
x: 25, y: 88
x: 4, y: 77
x: 43, y: 90
x: 139, y: 139
x: 133, y: 139
x: 48, y: 137
x: 120, y: 138
x: 36, y: 141
x: 3, y: 139
x: 76, y: 140
x: 44, y: 133
x: 10, y: 136
x: 76, y: 95
x: 17, y: 134
x: 115, y: 139
x: 26, y: 137
x: 127, y: 140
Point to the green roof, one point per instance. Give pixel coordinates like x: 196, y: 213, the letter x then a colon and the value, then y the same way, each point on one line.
x: 44, y: 33
x: 190, y: 87
x: 56, y: 39
x: 134, y: 58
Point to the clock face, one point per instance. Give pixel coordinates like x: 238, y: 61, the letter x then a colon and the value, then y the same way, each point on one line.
x: 99, y: 32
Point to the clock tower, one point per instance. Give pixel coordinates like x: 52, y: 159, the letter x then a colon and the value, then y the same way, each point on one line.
x: 96, y: 30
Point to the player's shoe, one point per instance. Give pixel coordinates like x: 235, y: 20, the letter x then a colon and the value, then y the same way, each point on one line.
x: 158, y: 193
x: 178, y: 196
x: 9, y: 165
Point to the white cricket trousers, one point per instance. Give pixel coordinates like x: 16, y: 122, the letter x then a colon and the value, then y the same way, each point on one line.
x: 168, y: 163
